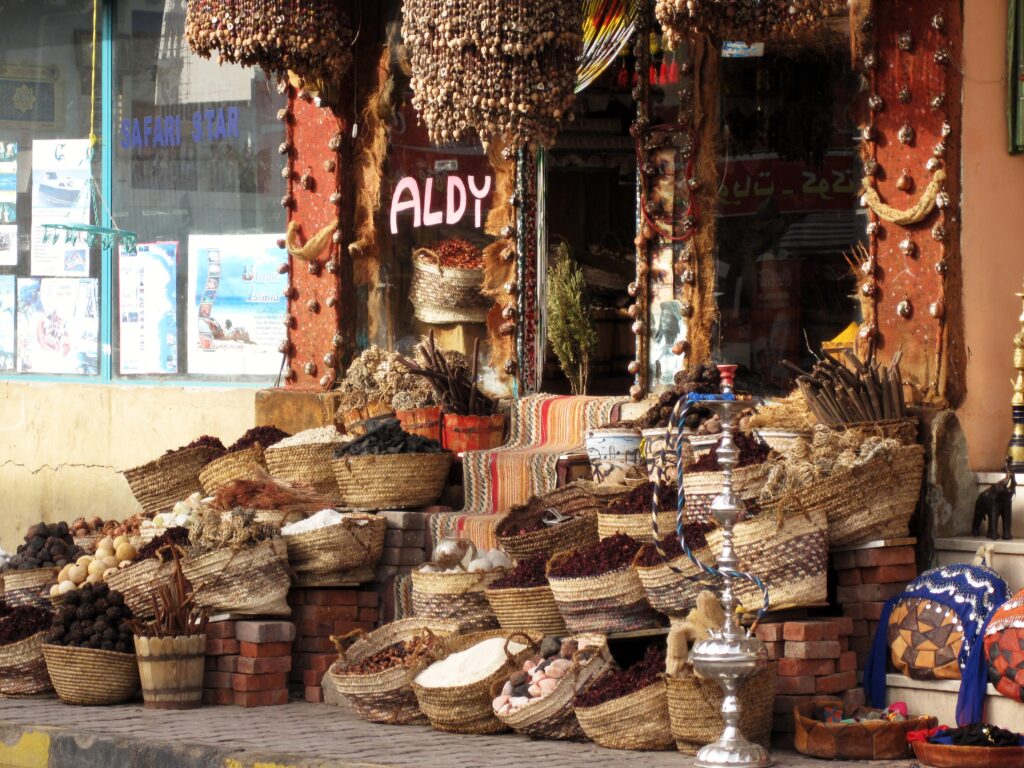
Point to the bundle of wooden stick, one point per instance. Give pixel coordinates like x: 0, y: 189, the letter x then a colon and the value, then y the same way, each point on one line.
x: 174, y: 609
x: 455, y: 387
x: 866, y: 391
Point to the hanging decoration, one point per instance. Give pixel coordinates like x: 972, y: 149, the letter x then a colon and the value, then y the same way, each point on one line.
x: 497, y: 68
x: 744, y: 19
x: 312, y: 38
x: 608, y: 26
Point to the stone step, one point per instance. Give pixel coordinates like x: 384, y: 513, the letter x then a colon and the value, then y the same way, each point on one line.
x: 938, y: 698
x: 1007, y: 556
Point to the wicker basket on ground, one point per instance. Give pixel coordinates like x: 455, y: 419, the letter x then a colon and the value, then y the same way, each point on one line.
x: 876, y: 739
x: 23, y: 668
x: 391, y: 481
x: 92, y: 677
x: 355, y: 542
x: 459, y: 596
x: 28, y: 587
x: 252, y: 580
x: 386, y: 697
x: 701, y: 489
x: 247, y: 464
x: 636, y: 721
x: 606, y: 603
x: 467, y: 708
x: 165, y: 481
x: 527, y: 608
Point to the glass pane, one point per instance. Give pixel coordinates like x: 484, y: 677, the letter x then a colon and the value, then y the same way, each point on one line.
x: 197, y: 175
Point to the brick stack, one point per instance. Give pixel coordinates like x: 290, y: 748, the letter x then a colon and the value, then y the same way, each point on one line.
x: 407, y: 545
x: 247, y: 663
x: 320, y: 613
x: 867, y: 578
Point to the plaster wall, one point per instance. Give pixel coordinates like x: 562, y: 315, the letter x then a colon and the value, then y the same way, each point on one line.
x: 62, y: 446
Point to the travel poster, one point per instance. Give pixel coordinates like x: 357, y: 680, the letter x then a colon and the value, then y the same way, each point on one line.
x: 148, y: 308
x: 58, y: 325
x: 61, y: 194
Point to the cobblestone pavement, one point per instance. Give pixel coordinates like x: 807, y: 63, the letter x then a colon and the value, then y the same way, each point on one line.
x: 298, y: 734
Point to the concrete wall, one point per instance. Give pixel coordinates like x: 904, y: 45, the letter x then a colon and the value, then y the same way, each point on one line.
x: 993, y: 231
x: 62, y: 445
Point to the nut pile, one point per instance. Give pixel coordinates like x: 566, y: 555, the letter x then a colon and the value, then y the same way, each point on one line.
x: 387, y: 437
x: 401, y: 654
x: 111, y: 554
x: 539, y: 676
x: 696, y: 538
x: 312, y: 38
x: 24, y: 621
x: 93, y: 617
x: 702, y: 379
x: 529, y: 572
x: 752, y: 451
x: 47, y: 545
x: 497, y: 68
x: 607, y: 555
x: 742, y: 19
x: 615, y: 685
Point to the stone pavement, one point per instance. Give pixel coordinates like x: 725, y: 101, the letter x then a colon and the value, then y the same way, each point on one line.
x: 44, y: 733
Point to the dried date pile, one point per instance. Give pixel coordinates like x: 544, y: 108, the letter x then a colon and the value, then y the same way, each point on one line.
x: 529, y: 572
x: 23, y: 621
x: 93, y: 617
x: 607, y: 555
x: 615, y: 685
x: 696, y: 538
x: 752, y: 451
x: 387, y: 437
x: 206, y: 441
x: 265, y: 436
x: 640, y: 500
x: 401, y: 654
x: 703, y: 379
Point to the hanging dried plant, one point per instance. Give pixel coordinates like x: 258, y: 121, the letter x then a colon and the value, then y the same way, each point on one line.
x: 743, y: 19
x: 497, y: 68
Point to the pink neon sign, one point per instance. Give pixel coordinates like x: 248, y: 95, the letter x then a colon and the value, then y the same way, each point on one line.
x: 458, y: 193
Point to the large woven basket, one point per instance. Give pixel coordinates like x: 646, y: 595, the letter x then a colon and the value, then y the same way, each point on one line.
x: 139, y: 583
x: 607, y: 603
x: 701, y: 489
x: 458, y: 597
x: 577, y: 501
x: 308, y: 464
x: 392, y: 481
x: 637, y: 721
x: 695, y: 709
x: 553, y: 716
x: 636, y: 526
x: 467, y: 708
x: 527, y: 608
x: 28, y: 587
x: 247, y: 464
x: 671, y: 593
x: 23, y: 668
x: 165, y: 481
x: 252, y: 581
x: 446, y: 294
x: 356, y: 541
x: 386, y: 697
x: 92, y: 677
x: 878, y: 739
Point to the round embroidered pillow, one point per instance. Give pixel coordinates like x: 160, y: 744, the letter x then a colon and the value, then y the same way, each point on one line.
x: 925, y: 638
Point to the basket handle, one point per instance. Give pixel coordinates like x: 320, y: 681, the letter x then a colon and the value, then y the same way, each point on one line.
x: 429, y: 255
x: 343, y: 643
x: 529, y: 641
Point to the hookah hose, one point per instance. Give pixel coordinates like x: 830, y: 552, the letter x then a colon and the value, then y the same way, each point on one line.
x: 679, y: 412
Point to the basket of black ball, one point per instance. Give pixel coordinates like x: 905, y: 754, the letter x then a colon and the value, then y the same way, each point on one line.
x: 27, y: 577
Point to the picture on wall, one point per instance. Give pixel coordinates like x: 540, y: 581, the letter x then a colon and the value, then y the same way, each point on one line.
x: 148, y: 309
x: 61, y: 194
x: 7, y: 322
x: 58, y: 325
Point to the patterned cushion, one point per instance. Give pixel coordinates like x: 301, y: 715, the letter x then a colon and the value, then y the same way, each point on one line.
x: 925, y: 638
x: 1004, y: 648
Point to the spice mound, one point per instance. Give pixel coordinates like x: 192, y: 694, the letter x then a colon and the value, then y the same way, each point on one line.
x: 318, y: 436
x: 639, y: 500
x: 265, y: 436
x: 752, y: 451
x: 206, y: 441
x: 385, y: 438
x: 538, y: 678
x: 47, y: 545
x: 615, y: 685
x: 469, y: 666
x: 607, y: 555
x: 325, y: 518
x: 529, y: 572
x: 403, y: 654
x: 696, y: 538
x: 458, y: 253
x: 24, y: 621
x: 93, y: 617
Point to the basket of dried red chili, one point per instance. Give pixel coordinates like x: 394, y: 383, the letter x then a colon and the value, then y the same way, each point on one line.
x: 671, y: 580
x: 447, y: 282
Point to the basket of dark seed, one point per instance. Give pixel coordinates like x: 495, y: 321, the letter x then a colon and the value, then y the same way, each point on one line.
x: 22, y: 666
x: 387, y: 468
x: 631, y: 513
x: 28, y: 576
x: 89, y: 649
x: 522, y: 598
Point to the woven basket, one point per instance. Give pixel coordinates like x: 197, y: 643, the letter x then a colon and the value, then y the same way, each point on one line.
x: 355, y: 542
x: 165, y: 481
x: 446, y: 294
x: 553, y: 716
x: 392, y: 481
x: 904, y: 430
x: 252, y: 581
x: 610, y: 602
x: 701, y: 489
x: 467, y: 708
x: 28, y: 587
x: 527, y: 608
x: 636, y: 526
x: 874, y: 500
x: 247, y: 464
x: 89, y: 542
x: 671, y: 593
x: 576, y: 500
x: 782, y: 440
x: 695, y: 709
x: 636, y: 721
x: 879, y: 739
x: 385, y: 697
x: 360, y: 575
x: 305, y: 464
x: 139, y: 583
x: 92, y: 677
x: 23, y: 668
x: 458, y: 597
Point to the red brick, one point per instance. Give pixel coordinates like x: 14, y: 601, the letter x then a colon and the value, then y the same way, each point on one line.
x: 889, y: 574
x: 849, y: 577
x: 844, y: 624
x: 296, y: 597
x: 211, y: 663
x: 843, y: 561
x: 804, y: 667
x: 860, y: 628
x: 268, y: 682
x: 806, y: 631
x: 295, y: 676
x: 311, y: 677
x: 861, y: 644
x: 262, y: 650
x: 314, y: 694
x: 775, y: 650
x: 261, y: 698
x: 854, y: 610
x: 844, y: 643
x: 217, y: 680
x: 265, y: 631
x: 784, y: 704
x: 770, y: 633
x: 316, y: 645
x: 865, y: 558
x: 813, y: 649
x: 248, y: 666
x: 841, y: 681
x: 367, y: 614
x: 795, y: 685
x: 367, y: 599
x: 873, y: 610
x: 218, y: 696
x: 227, y: 663
x: 847, y: 661
x: 220, y: 630
x: 854, y: 697
x: 864, y: 593
x: 326, y: 614
x: 331, y: 597
x: 313, y: 629
x: 221, y: 647
x: 321, y: 662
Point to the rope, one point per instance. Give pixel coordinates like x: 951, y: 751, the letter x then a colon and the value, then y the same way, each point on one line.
x: 93, y: 138
x: 313, y: 246
x: 918, y: 212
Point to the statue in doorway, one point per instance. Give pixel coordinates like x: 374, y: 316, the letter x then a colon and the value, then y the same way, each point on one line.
x: 996, y: 503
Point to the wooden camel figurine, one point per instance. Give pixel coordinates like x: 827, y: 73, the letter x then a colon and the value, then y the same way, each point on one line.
x: 996, y: 503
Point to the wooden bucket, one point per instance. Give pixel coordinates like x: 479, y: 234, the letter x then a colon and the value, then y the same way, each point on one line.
x: 473, y: 433
x: 422, y: 421
x: 171, y: 670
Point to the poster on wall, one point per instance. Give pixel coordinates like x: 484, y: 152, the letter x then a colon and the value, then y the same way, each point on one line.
x: 61, y: 194
x: 7, y: 322
x: 58, y: 325
x: 236, y: 302
x: 148, y: 305
x: 8, y: 203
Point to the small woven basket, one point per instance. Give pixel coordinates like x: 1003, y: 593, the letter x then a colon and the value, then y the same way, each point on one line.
x: 355, y: 542
x: 23, y: 668
x: 251, y: 581
x: 467, y: 708
x: 637, y: 721
x: 702, y: 488
x: 91, y: 677
x: 446, y: 294
x: 782, y: 440
x: 28, y: 587
x: 671, y: 593
x: 636, y: 526
x: 527, y: 608
x: 308, y: 464
x: 607, y: 603
x: 458, y: 597
x: 878, y: 739
x: 139, y: 583
x: 247, y: 464
x: 385, y: 697
x: 392, y: 481
x: 165, y: 481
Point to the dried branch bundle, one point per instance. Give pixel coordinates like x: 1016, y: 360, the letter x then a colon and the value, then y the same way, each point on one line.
x: 454, y: 386
x: 174, y: 609
x: 838, y: 395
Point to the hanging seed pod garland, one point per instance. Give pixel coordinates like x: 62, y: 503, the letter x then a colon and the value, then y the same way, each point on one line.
x: 743, y: 19
x: 499, y: 68
x: 312, y: 38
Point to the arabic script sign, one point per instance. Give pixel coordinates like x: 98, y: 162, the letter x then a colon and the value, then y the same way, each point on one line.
x: 792, y: 185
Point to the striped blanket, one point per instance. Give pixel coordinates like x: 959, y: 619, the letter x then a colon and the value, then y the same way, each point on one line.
x: 543, y: 428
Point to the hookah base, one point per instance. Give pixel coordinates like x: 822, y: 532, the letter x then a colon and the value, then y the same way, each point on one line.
x: 733, y: 752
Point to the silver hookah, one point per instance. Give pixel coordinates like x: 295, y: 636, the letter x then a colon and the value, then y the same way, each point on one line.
x: 732, y: 655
